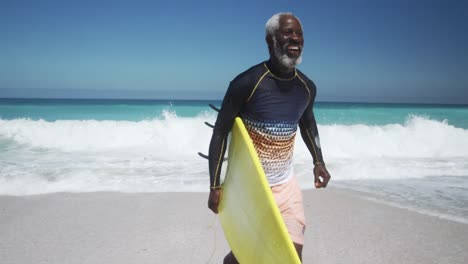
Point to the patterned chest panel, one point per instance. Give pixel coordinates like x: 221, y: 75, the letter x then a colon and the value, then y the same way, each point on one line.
x: 274, y: 142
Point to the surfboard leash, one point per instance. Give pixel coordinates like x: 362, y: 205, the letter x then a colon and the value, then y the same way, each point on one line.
x: 213, y: 226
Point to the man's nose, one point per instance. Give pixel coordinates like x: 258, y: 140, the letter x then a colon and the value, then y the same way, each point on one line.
x: 295, y: 36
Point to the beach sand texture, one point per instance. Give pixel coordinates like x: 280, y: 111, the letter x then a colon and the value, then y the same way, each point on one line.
x: 343, y: 227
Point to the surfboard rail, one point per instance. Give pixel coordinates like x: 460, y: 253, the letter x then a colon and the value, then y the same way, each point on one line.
x: 252, y: 223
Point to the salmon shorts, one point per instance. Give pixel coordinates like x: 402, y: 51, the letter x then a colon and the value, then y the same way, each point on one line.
x: 288, y: 196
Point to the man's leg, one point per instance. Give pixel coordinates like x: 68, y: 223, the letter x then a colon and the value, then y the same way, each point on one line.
x: 230, y: 259
x: 299, y: 250
x: 288, y: 196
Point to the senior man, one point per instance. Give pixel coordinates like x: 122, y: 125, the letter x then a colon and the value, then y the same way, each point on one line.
x: 273, y: 98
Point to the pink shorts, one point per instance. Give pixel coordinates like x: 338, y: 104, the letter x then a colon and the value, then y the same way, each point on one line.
x: 288, y: 196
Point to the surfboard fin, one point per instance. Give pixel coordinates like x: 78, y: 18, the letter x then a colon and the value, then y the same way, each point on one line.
x: 206, y: 156
x: 203, y: 155
x: 214, y: 107
x: 212, y: 126
x: 208, y: 124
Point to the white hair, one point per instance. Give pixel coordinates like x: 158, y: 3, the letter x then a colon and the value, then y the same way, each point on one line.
x: 272, y: 25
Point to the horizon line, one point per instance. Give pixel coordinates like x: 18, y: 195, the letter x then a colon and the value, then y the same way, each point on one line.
x: 220, y: 100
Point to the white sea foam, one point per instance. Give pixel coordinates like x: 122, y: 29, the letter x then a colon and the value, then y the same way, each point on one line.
x: 176, y: 136
x: 419, y: 148
x: 170, y: 137
x: 38, y: 156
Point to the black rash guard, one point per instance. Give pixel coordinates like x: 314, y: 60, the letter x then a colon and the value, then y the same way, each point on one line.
x: 271, y: 108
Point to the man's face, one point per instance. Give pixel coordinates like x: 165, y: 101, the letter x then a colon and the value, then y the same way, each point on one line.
x: 288, y: 42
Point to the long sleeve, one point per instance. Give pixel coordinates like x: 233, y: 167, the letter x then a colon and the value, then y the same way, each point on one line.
x: 230, y: 109
x: 309, y: 131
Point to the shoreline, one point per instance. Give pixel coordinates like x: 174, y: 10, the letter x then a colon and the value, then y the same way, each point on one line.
x: 372, y: 197
x: 112, y: 227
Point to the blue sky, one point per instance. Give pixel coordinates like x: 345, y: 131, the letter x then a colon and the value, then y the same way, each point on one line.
x: 361, y: 50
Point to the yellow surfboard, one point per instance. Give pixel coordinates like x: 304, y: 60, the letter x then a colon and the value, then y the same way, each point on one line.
x: 248, y: 213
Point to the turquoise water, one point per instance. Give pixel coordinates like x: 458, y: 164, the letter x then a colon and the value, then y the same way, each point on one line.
x: 381, y: 114
x: 413, y: 156
x: 137, y: 110
x: 72, y: 109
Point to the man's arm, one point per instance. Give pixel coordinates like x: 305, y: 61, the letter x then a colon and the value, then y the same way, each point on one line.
x: 310, y: 135
x: 230, y: 108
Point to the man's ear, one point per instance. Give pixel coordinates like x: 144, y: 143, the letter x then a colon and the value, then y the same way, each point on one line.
x: 269, y: 40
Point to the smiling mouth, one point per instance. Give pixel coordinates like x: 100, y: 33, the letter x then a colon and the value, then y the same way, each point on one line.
x: 293, y: 51
x: 293, y: 48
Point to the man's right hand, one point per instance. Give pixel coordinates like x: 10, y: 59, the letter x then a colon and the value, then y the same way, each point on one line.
x: 213, y: 200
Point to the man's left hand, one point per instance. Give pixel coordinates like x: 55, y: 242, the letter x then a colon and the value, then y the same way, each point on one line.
x: 321, y: 176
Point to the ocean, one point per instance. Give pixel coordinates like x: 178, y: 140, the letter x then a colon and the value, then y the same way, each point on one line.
x: 406, y: 155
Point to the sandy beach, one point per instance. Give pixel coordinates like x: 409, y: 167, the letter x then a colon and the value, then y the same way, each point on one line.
x: 343, y: 227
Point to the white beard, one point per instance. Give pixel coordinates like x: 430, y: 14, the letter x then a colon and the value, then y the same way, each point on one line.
x: 283, y: 58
